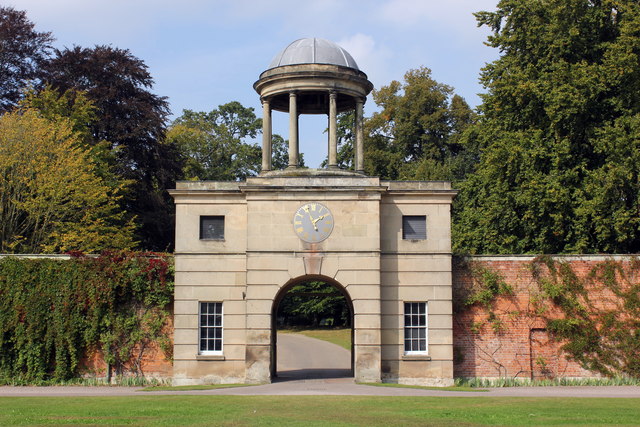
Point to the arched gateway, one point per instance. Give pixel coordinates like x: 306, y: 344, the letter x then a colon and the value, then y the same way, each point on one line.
x: 239, y: 245
x: 285, y: 290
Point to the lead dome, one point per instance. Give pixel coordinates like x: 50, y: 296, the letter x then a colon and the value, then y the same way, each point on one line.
x: 313, y: 51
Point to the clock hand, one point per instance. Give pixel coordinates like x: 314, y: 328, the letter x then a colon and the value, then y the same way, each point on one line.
x: 318, y: 219
x: 313, y: 222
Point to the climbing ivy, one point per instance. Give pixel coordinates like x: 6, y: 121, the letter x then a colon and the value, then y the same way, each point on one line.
x: 486, y: 285
x: 54, y: 312
x: 596, y: 315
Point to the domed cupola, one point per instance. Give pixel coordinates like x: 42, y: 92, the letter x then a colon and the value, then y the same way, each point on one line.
x: 312, y: 76
x: 313, y: 51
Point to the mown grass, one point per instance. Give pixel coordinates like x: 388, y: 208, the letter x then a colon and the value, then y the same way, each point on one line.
x: 341, y: 337
x: 316, y: 411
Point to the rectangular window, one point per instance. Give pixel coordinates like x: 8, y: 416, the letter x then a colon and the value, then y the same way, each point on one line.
x: 212, y: 228
x: 415, y: 327
x: 210, y: 328
x: 414, y: 227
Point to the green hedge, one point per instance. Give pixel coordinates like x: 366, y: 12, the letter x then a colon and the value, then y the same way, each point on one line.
x: 53, y: 312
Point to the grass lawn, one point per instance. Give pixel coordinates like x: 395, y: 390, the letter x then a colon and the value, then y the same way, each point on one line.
x: 316, y: 410
x: 341, y: 337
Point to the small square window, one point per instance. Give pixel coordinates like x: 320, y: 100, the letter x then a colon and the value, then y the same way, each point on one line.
x: 212, y: 228
x: 414, y: 227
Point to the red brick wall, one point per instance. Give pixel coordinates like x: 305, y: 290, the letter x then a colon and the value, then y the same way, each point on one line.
x: 520, y: 346
x: 154, y: 362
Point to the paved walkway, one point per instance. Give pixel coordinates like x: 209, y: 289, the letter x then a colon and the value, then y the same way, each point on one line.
x: 301, y: 357
x: 307, y: 366
x: 330, y: 386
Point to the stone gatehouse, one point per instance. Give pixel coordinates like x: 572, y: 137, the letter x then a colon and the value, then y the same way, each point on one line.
x: 385, y: 245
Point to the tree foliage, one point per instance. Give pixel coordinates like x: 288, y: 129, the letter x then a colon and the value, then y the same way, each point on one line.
x: 559, y: 169
x: 50, y: 197
x: 80, y: 113
x: 417, y: 133
x: 314, y: 304
x: 132, y: 120
x: 22, y: 53
x: 216, y: 145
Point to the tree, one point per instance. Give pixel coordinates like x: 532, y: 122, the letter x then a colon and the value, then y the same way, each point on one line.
x: 309, y: 303
x: 22, y: 52
x: 559, y: 132
x: 132, y: 119
x: 81, y: 113
x: 50, y: 197
x: 416, y: 135
x: 215, y: 145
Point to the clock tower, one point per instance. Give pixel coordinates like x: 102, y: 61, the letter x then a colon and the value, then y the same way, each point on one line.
x: 384, y: 245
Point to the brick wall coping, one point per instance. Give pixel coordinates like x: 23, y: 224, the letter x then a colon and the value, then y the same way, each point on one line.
x: 585, y: 257
x: 511, y: 257
x: 35, y: 256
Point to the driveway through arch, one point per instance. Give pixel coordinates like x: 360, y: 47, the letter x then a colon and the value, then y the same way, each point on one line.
x: 294, y: 356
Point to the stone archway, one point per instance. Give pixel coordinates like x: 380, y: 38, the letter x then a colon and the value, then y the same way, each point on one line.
x: 280, y: 296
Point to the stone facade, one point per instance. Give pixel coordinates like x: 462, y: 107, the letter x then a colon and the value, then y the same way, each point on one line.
x: 261, y: 257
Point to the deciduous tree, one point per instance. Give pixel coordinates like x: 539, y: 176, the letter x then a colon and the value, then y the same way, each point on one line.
x: 216, y: 145
x: 51, y: 200
x: 132, y: 119
x: 559, y: 132
x: 416, y: 135
x: 22, y: 52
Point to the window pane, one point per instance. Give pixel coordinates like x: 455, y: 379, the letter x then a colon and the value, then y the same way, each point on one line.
x: 414, y: 227
x: 210, y: 327
x: 212, y: 227
x: 415, y: 327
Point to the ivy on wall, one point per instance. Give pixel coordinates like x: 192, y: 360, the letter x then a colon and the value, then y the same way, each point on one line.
x: 599, y: 312
x: 55, y: 312
x: 593, y: 314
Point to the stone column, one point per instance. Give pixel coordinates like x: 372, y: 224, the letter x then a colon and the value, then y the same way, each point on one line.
x: 359, y: 152
x: 333, y: 131
x: 266, y: 135
x: 293, y: 130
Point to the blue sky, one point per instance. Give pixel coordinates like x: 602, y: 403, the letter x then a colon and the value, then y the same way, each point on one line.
x: 203, y: 53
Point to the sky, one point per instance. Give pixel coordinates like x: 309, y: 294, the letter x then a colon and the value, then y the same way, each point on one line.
x: 205, y: 53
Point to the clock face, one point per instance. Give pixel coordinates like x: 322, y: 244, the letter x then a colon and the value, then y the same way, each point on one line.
x: 313, y: 222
